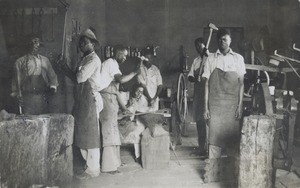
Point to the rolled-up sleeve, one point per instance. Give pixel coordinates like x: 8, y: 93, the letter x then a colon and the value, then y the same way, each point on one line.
x: 241, y: 66
x: 158, y: 78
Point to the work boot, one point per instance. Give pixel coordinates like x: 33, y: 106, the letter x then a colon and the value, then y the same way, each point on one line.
x: 87, y: 174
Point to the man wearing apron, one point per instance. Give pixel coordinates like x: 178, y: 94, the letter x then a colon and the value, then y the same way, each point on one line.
x: 111, y: 77
x: 33, y: 80
x: 224, y: 72
x: 87, y: 105
x: 198, y: 100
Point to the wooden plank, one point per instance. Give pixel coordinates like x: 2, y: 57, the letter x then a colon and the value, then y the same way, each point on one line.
x: 256, y: 152
x: 268, y: 99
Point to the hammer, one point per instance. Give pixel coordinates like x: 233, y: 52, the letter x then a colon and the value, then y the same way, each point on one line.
x: 211, y: 28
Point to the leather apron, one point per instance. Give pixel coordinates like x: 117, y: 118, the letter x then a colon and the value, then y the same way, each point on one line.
x: 34, y: 90
x: 224, y: 129
x: 109, y: 119
x: 86, y: 130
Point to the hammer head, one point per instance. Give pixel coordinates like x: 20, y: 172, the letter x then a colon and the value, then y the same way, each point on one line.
x: 212, y: 26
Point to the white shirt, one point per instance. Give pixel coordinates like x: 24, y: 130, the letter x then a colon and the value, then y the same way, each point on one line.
x: 89, y: 69
x: 195, y: 67
x: 230, y: 62
x: 110, y: 68
x: 151, y: 78
x: 34, y: 65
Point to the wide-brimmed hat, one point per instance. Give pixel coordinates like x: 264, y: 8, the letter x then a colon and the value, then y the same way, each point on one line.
x: 89, y: 34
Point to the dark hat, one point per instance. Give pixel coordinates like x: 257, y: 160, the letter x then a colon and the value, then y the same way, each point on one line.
x: 222, y: 32
x: 147, y: 51
x: 89, y: 34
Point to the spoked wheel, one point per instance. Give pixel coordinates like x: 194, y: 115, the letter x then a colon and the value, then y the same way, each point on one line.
x: 181, y: 98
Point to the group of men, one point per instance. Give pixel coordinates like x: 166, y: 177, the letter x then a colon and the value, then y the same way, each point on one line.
x: 218, y: 96
x: 96, y: 103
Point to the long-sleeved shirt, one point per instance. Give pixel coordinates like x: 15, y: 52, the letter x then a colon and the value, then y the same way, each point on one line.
x: 30, y: 65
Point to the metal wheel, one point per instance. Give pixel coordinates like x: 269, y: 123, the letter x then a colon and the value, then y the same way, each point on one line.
x: 181, y: 98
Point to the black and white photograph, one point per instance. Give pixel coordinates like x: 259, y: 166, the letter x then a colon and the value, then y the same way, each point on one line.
x: 149, y: 93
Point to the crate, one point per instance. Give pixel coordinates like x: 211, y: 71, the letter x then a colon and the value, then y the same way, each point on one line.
x: 155, y: 150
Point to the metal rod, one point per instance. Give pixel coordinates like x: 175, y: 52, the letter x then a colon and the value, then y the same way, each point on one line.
x: 284, y: 57
x: 295, y: 48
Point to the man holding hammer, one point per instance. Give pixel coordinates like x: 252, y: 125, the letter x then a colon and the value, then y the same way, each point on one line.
x: 196, y: 72
x: 224, y: 88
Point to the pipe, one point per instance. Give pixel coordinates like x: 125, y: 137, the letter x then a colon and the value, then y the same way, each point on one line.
x: 284, y: 57
x: 295, y: 48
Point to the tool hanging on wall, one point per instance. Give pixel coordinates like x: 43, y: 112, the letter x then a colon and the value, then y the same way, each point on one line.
x: 40, y: 32
x: 32, y: 20
x: 16, y: 24
x: 52, y: 26
x: 23, y: 23
x: 76, y: 27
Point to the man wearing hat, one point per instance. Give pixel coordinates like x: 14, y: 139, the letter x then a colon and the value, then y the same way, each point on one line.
x: 33, y: 80
x: 88, y: 104
x: 224, y: 88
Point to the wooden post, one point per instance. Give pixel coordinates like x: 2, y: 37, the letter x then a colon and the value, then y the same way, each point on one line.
x: 256, y: 152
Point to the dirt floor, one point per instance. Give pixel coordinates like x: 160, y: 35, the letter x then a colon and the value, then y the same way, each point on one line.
x: 186, y: 172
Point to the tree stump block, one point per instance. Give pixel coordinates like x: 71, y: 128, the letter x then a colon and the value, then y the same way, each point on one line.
x: 155, y: 150
x: 220, y: 170
x: 36, y: 150
x: 256, y: 152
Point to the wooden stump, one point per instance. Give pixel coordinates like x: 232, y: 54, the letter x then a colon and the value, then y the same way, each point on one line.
x: 155, y: 150
x: 36, y: 150
x: 256, y: 152
x: 220, y: 170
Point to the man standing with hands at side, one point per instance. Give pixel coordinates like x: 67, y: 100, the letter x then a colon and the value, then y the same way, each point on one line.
x: 33, y: 80
x: 224, y: 88
x: 151, y: 80
x: 198, y: 100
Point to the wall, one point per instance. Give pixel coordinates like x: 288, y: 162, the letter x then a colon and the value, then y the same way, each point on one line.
x: 166, y: 23
x: 87, y: 13
x: 172, y: 23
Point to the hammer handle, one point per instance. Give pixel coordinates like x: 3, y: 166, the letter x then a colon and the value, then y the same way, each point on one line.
x: 209, y: 37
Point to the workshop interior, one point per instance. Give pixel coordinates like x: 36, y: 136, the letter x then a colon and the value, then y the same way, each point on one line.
x: 40, y: 149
